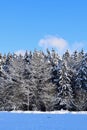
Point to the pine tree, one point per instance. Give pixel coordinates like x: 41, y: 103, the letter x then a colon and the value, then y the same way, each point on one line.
x: 43, y: 81
x: 80, y: 88
x: 48, y: 88
x: 65, y: 93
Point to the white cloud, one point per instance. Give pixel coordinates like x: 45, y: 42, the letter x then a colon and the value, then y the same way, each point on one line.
x: 53, y: 41
x: 60, y: 44
x: 77, y: 46
x: 22, y: 52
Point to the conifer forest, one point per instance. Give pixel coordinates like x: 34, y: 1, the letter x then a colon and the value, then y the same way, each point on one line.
x: 43, y: 81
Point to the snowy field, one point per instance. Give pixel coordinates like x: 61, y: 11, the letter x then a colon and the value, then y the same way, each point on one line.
x: 43, y: 121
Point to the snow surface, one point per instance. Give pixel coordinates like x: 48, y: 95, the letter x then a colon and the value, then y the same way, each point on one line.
x: 60, y: 120
x: 49, y: 112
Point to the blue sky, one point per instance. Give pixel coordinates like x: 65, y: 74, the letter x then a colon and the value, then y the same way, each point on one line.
x: 9, y: 121
x: 29, y: 24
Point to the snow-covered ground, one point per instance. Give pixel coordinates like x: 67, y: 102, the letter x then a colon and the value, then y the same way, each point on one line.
x: 49, y: 112
x: 60, y: 120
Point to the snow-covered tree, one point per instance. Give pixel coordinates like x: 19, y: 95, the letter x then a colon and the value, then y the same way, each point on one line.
x: 43, y: 81
x: 80, y: 86
x: 48, y: 88
x: 65, y: 93
x: 1, y: 62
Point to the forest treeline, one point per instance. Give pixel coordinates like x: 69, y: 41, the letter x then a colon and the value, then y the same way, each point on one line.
x: 41, y: 81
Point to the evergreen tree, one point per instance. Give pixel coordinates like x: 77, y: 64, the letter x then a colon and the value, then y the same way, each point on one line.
x: 80, y: 88
x: 43, y: 81
x: 65, y: 93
